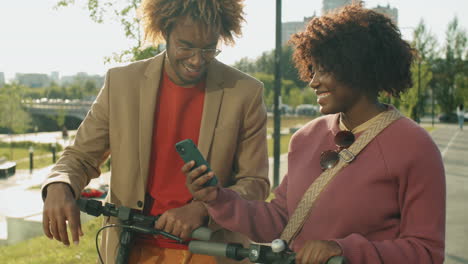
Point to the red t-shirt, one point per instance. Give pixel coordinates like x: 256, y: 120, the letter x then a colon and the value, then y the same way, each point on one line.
x: 177, y: 117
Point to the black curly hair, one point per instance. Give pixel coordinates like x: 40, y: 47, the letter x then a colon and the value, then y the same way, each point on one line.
x: 361, y: 47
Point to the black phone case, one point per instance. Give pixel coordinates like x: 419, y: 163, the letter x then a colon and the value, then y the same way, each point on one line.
x: 188, y: 151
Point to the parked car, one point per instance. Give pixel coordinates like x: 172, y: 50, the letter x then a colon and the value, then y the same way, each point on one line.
x: 306, y: 109
x: 285, y: 109
x: 448, y: 118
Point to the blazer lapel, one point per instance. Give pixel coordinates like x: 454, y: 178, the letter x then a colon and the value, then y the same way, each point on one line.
x: 211, y: 107
x: 148, y: 96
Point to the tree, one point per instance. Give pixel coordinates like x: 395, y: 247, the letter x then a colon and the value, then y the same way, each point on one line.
x: 266, y: 63
x: 12, y: 113
x: 448, y: 68
x: 246, y: 65
x: 290, y: 93
x: 461, y: 86
x: 126, y: 13
x: 425, y: 43
x: 414, y: 99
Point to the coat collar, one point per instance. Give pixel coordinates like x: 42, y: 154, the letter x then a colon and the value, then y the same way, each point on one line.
x: 211, y: 108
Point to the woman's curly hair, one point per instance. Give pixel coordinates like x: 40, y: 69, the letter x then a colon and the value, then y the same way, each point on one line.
x: 361, y: 47
x: 224, y: 16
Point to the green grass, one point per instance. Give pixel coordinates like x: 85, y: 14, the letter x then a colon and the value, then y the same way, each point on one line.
x: 21, y: 156
x: 39, y: 162
x: 288, y: 121
x: 41, y: 250
x: 429, y: 129
x: 19, y: 153
x: 284, y: 144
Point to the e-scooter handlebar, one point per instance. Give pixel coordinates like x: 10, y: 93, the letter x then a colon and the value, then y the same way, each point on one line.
x: 138, y: 222
x: 255, y: 253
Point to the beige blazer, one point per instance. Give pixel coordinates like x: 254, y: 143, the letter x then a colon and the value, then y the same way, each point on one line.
x: 120, y: 121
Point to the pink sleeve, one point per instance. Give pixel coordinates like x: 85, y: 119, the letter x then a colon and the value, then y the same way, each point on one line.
x: 260, y: 221
x: 422, y: 225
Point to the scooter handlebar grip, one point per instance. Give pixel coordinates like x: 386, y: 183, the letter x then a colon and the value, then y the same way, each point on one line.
x: 202, y: 233
x: 337, y: 260
x: 208, y: 248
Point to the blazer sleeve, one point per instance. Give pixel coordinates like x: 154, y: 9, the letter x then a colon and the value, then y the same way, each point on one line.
x: 80, y: 162
x: 250, y: 175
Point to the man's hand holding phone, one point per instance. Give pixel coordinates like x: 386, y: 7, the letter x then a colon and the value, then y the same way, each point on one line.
x: 196, y: 181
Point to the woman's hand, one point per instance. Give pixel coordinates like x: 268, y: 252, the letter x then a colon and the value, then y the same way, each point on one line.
x: 318, y: 252
x: 195, y: 180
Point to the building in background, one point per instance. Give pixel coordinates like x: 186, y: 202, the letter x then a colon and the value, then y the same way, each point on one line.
x: 330, y: 5
x: 33, y: 80
x: 2, y: 79
x: 289, y: 28
x: 387, y: 10
x: 55, y: 77
x: 81, y: 79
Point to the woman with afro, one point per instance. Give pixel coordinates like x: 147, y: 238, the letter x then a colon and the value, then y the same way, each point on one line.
x: 387, y: 204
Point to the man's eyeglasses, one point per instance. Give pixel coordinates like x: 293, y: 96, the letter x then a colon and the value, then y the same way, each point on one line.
x: 207, y: 54
x: 343, y: 139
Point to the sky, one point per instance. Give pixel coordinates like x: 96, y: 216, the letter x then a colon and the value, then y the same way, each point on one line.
x: 36, y: 38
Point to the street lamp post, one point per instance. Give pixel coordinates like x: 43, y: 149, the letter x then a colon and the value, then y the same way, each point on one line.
x: 418, y: 105
x: 31, y: 159
x: 432, y: 97
x: 54, y: 146
x: 277, y: 93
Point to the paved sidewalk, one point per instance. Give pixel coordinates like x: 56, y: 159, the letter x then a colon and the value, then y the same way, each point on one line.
x: 25, y: 202
x: 453, y: 145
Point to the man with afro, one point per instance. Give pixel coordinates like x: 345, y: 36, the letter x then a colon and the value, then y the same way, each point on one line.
x: 146, y: 107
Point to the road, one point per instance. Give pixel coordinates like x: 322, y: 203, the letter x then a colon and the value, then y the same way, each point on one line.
x: 453, y: 145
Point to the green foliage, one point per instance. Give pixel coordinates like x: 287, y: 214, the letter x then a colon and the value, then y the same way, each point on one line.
x: 414, y: 100
x: 20, y: 150
x: 133, y: 54
x: 60, y: 117
x: 284, y: 144
x: 12, y: 113
x: 290, y: 93
x: 424, y: 42
x: 246, y: 65
x: 447, y: 70
x: 266, y: 64
x: 41, y: 250
x: 27, y: 144
x: 124, y: 12
x: 461, y: 86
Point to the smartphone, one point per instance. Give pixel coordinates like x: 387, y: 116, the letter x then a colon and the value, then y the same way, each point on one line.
x: 188, y: 151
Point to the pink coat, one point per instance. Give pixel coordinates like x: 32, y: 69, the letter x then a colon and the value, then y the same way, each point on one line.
x: 387, y: 206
